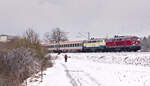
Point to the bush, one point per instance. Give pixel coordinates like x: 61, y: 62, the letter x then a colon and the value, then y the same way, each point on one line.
x: 20, y: 58
x: 16, y: 66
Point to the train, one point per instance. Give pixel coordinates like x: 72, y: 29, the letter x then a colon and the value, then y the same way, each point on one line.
x: 115, y: 44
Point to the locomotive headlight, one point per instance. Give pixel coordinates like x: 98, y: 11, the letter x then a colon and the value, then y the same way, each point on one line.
x: 134, y: 42
x: 137, y: 43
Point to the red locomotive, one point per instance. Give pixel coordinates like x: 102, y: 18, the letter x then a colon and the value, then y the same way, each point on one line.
x: 123, y: 43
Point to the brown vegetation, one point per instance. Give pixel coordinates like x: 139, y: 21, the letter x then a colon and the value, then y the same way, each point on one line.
x: 22, y: 57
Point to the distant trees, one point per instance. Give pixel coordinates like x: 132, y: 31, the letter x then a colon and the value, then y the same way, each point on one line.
x: 146, y: 43
x: 56, y: 35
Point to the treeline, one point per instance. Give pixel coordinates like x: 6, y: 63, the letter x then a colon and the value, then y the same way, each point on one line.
x: 145, y: 42
x: 22, y: 57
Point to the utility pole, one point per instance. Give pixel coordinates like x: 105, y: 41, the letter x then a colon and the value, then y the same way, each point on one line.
x: 89, y: 36
x: 58, y: 42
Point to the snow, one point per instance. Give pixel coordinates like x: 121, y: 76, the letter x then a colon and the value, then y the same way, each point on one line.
x: 98, y: 69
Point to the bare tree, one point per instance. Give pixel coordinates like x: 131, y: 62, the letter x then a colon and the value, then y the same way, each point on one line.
x: 47, y: 37
x: 31, y: 36
x: 57, y: 35
x: 146, y: 44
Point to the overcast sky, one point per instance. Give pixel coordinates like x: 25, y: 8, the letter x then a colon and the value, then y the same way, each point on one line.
x: 99, y: 17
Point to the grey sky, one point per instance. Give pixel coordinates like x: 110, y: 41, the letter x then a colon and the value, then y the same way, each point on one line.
x: 100, y: 17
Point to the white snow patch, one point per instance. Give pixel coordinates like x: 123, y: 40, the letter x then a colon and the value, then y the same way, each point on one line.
x: 98, y: 69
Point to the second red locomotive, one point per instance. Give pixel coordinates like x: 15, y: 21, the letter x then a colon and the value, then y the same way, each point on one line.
x: 123, y: 43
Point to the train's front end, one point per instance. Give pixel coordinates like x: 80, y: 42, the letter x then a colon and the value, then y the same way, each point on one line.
x: 136, y: 43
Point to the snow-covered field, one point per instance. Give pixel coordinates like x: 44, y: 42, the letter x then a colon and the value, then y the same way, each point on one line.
x: 97, y: 69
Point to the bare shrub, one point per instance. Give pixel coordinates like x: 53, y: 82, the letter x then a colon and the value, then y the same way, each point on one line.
x: 22, y: 57
x: 16, y: 66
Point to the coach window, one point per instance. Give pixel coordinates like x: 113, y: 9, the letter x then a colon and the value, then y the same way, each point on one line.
x: 80, y: 44
x: 66, y: 45
x: 70, y: 45
x: 73, y: 45
x: 57, y: 46
x: 77, y: 45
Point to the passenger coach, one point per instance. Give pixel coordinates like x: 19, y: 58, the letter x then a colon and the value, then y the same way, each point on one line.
x: 69, y: 46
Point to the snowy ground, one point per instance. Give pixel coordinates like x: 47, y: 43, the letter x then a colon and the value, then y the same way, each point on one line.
x: 98, y: 69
